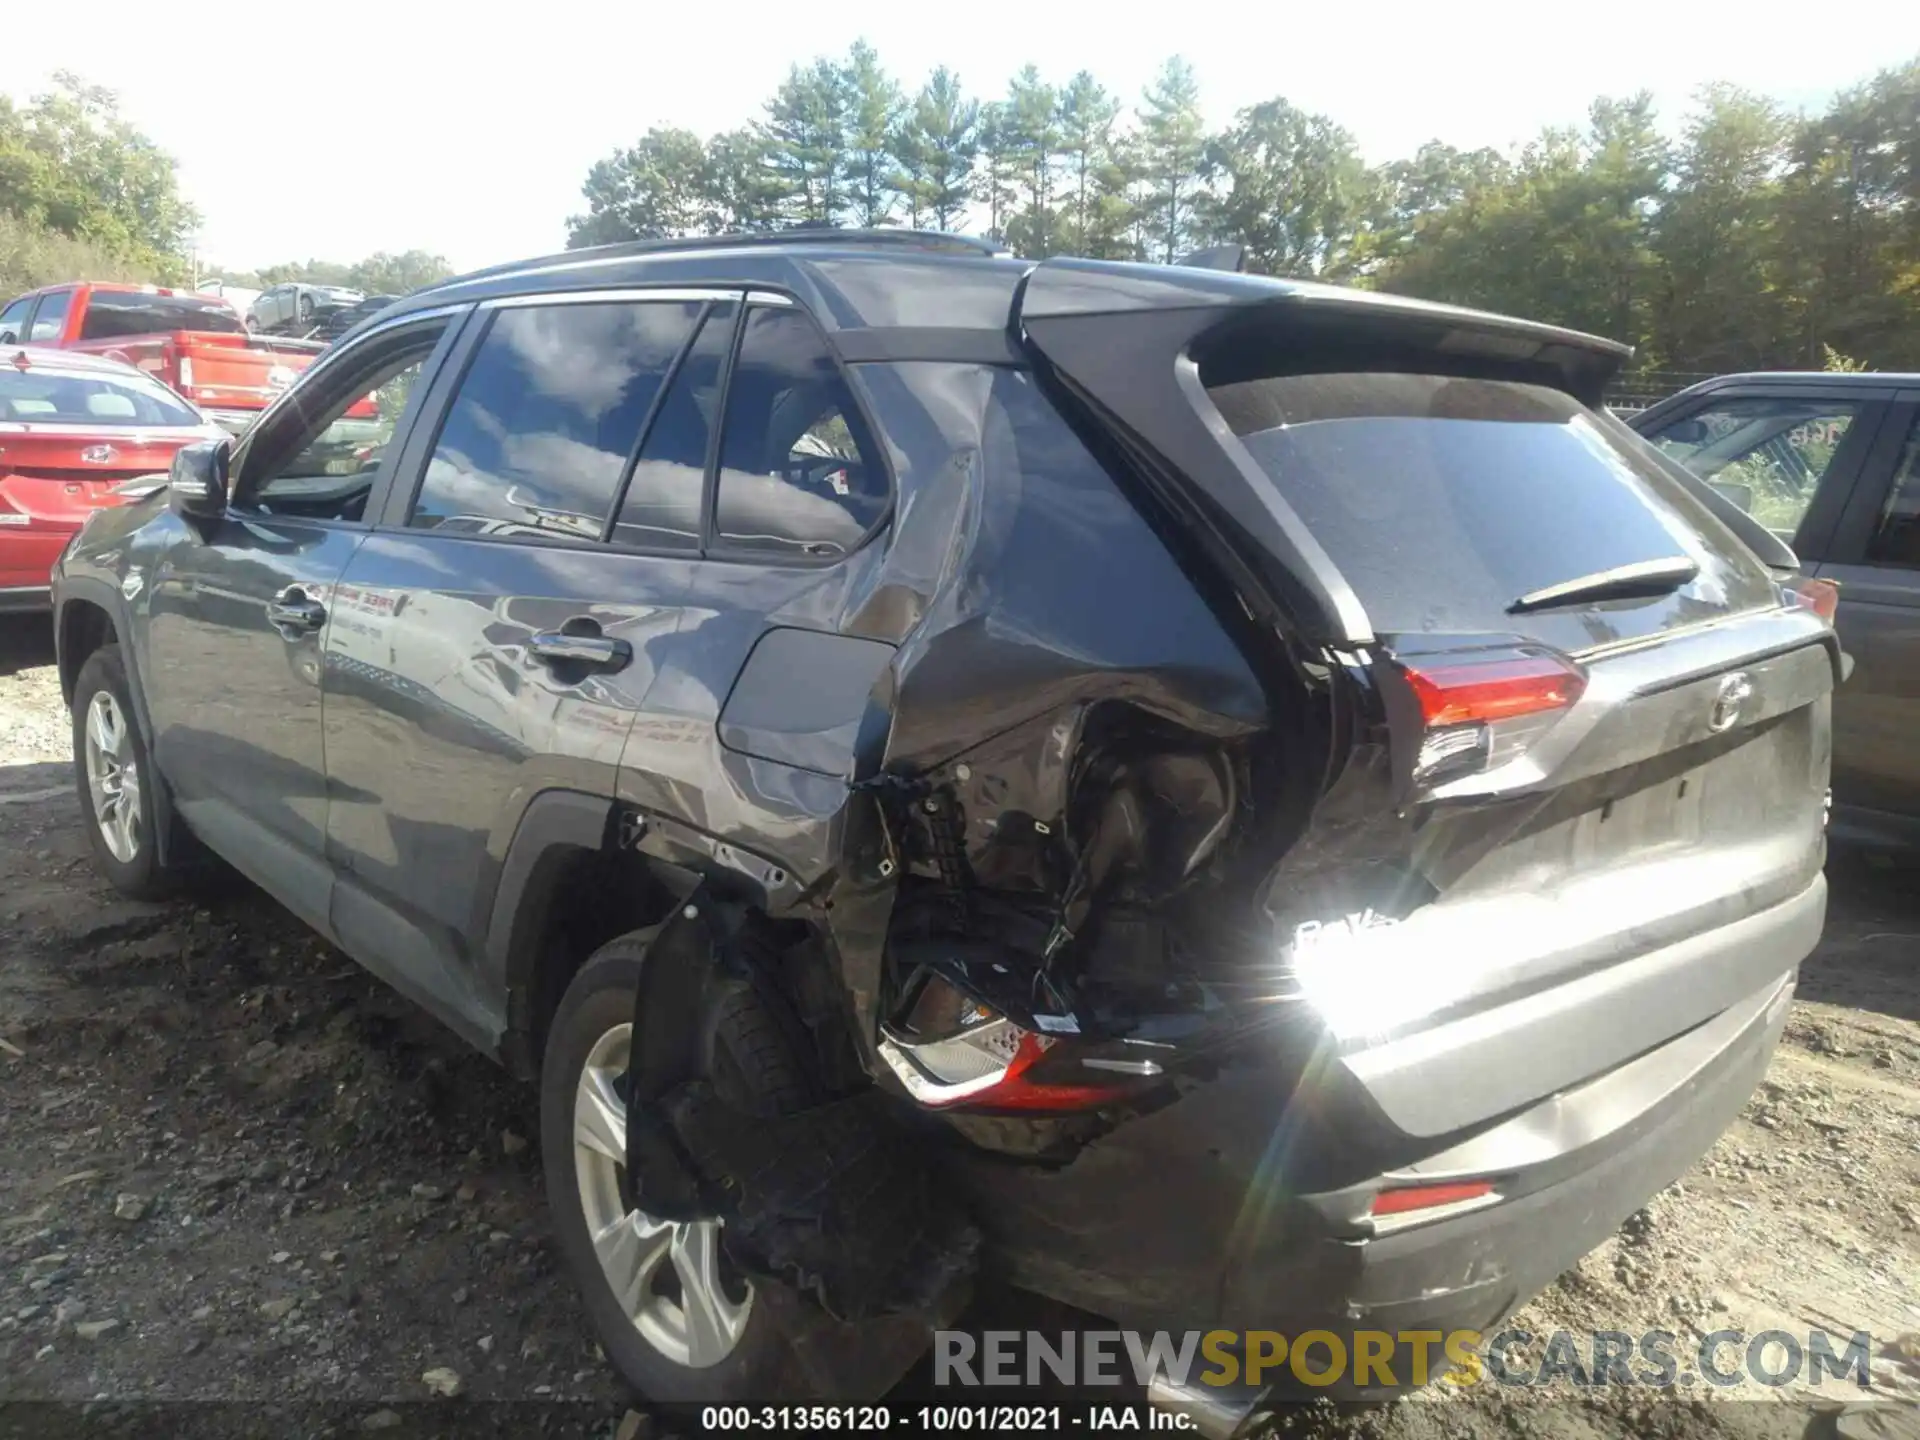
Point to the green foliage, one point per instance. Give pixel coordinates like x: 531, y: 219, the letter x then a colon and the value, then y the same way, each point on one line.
x: 32, y: 255
x: 1750, y: 238
x: 100, y: 192
x: 936, y: 144
x: 1172, y: 148
x: 378, y: 274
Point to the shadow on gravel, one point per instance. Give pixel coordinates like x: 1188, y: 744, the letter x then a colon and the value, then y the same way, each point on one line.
x: 26, y: 641
x: 1869, y: 958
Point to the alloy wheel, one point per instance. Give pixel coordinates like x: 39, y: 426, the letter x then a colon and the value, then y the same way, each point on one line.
x: 113, y: 777
x: 669, y: 1277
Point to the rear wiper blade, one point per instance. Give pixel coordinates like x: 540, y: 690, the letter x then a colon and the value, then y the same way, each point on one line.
x: 1643, y: 577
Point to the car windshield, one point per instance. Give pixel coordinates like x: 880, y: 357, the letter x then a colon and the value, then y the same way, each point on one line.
x: 70, y: 397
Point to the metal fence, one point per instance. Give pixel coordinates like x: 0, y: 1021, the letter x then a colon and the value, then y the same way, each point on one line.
x: 1640, y: 389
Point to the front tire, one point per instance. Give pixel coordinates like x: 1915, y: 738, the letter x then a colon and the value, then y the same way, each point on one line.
x: 116, y: 780
x: 674, y: 1317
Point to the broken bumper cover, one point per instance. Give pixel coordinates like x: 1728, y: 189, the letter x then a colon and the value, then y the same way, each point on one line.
x: 1231, y: 1209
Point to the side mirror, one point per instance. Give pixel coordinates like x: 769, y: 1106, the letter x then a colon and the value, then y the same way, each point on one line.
x: 1686, y: 432
x: 7, y: 337
x: 197, y: 482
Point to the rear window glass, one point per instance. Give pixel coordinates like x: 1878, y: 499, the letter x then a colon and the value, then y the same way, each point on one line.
x: 56, y: 397
x: 1444, y: 500
x: 113, y: 313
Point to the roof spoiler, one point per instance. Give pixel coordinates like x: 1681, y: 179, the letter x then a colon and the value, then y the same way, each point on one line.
x: 1216, y: 257
x: 1130, y: 340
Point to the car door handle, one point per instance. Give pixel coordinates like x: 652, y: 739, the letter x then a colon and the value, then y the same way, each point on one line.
x: 294, y: 609
x: 594, y: 652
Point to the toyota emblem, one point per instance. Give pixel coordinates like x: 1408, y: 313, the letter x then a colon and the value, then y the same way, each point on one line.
x: 1735, y: 690
x: 99, y: 455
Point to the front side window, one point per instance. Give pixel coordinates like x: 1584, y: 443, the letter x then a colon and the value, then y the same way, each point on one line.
x: 1767, y: 454
x: 13, y: 320
x: 797, y: 476
x: 1896, y: 539
x: 323, y: 451
x: 50, y: 320
x: 550, y: 409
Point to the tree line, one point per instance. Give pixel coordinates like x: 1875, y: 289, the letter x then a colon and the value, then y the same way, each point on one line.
x: 1754, y: 237
x: 84, y: 195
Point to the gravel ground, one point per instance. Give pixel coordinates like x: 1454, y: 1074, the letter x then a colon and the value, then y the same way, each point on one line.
x: 233, y: 1167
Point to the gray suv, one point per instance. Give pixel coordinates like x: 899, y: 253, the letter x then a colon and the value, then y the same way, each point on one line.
x: 1831, y: 463
x: 1232, y: 803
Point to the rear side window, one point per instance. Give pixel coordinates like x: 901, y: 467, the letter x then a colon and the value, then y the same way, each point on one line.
x: 1896, y: 539
x: 796, y: 475
x: 1444, y: 500
x: 1767, y: 454
x: 546, y: 416
x: 13, y: 319
x: 51, y: 318
x: 114, y: 313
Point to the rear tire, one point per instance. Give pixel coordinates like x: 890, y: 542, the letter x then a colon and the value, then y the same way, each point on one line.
x: 724, y: 1352
x: 117, y: 780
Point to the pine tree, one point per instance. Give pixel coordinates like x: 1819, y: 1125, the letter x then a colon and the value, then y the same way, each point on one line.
x: 1172, y: 138
x: 937, y: 142
x: 873, y: 108
x: 806, y: 138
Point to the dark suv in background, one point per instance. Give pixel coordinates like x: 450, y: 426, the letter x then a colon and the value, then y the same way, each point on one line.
x: 1260, y: 805
x: 1831, y: 463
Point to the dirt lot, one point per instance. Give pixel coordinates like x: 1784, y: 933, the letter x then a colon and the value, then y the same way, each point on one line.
x: 233, y: 1167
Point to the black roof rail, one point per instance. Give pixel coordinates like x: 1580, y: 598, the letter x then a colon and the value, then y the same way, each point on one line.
x: 937, y: 241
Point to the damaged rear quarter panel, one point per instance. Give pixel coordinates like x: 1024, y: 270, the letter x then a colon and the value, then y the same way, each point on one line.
x: 1024, y: 589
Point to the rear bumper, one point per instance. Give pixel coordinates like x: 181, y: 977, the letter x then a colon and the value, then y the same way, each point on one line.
x: 1243, y: 1205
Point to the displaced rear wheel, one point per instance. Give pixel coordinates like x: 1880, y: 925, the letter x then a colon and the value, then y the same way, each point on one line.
x: 675, y: 1317
x: 116, y: 778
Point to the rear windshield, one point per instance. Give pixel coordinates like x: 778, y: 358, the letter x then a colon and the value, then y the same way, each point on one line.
x: 113, y: 313
x: 69, y: 397
x: 1444, y: 500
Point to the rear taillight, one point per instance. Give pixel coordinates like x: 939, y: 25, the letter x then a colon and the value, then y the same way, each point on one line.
x: 186, y: 372
x: 1822, y: 597
x: 1481, y: 707
x: 1454, y: 691
x: 974, y: 1057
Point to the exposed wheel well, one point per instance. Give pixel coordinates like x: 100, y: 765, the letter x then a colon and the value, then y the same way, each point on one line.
x: 84, y: 628
x: 575, y: 901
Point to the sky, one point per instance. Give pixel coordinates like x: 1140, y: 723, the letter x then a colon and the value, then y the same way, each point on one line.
x: 334, y: 131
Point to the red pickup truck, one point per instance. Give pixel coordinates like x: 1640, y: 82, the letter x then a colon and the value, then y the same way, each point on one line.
x: 194, y: 343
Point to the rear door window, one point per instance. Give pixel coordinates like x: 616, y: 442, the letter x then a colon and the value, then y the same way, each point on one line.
x: 50, y: 320
x: 662, y: 506
x: 548, y: 413
x: 1445, y: 501
x: 1766, y: 453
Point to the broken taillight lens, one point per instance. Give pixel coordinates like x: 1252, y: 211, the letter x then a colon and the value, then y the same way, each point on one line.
x: 952, y: 1049
x: 1480, y: 708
